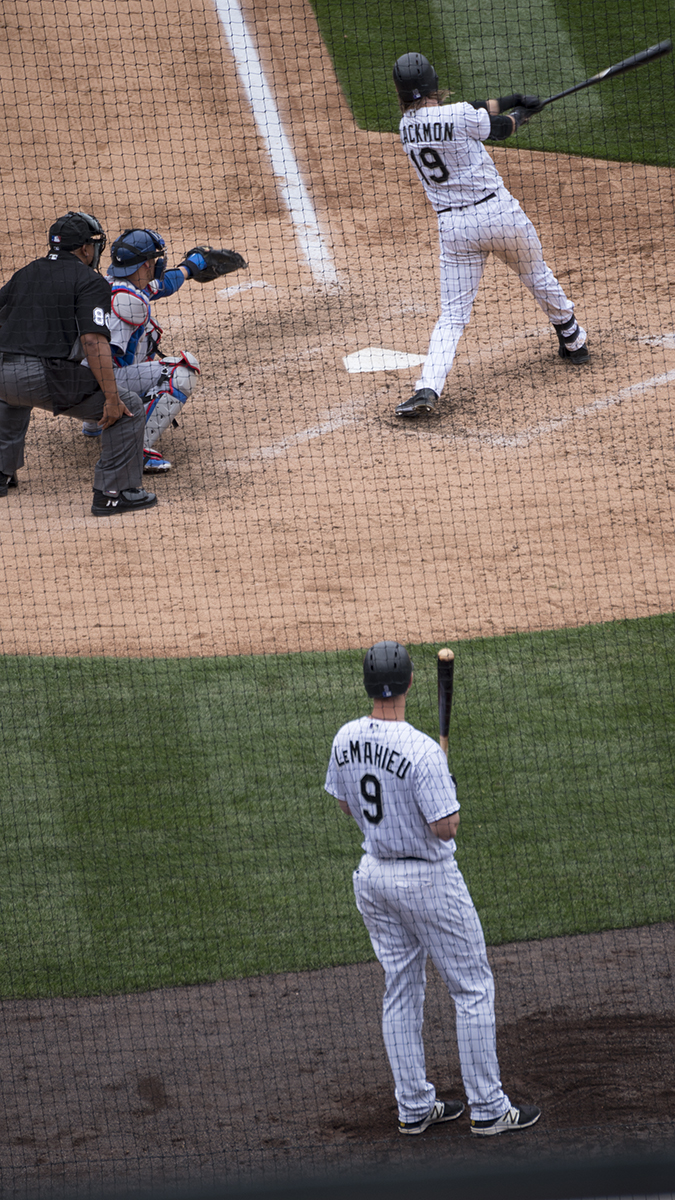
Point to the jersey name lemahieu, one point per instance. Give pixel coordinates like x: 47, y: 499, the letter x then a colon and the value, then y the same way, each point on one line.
x: 375, y: 754
x: 396, y: 782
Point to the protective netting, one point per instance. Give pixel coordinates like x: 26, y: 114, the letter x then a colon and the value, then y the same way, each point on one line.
x: 189, y: 991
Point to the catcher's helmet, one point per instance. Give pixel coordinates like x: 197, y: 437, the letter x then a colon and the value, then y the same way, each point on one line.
x: 414, y: 77
x: 387, y: 670
x: 136, y: 246
x: 77, y: 229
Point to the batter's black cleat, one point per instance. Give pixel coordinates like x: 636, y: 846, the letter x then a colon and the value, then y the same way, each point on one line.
x: 6, y: 482
x: 422, y: 401
x: 569, y: 332
x: 108, y: 504
x: 443, y: 1110
x: 511, y: 1120
x: 575, y: 356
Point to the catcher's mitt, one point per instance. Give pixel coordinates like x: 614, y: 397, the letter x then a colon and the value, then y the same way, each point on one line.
x: 204, y: 263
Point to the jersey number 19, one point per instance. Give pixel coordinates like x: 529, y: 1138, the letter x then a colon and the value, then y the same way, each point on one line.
x: 436, y: 170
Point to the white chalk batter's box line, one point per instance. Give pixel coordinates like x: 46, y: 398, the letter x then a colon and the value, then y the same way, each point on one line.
x: 277, y: 449
x: 577, y: 414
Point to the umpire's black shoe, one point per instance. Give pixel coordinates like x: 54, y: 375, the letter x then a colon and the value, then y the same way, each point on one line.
x: 6, y: 482
x: 512, y: 1119
x: 422, y: 401
x: 107, y: 504
x: 443, y: 1110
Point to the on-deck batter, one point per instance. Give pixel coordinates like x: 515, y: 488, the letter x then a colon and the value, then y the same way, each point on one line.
x: 476, y: 216
x: 394, y: 781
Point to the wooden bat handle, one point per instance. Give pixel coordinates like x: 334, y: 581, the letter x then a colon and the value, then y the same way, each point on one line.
x: 445, y: 667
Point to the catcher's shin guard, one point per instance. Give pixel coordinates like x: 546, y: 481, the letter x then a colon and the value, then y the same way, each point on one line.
x: 165, y: 400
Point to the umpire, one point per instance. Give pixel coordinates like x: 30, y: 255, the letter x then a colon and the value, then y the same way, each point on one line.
x: 55, y: 354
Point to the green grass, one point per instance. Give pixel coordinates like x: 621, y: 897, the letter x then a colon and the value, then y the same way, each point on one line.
x: 543, y: 46
x: 163, y: 821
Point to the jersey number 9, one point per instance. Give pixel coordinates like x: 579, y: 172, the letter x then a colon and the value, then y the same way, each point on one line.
x: 371, y: 790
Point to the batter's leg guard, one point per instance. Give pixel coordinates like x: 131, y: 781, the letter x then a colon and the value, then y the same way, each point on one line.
x: 572, y: 343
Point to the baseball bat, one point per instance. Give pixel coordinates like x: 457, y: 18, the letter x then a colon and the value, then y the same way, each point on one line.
x: 445, y: 666
x: 627, y: 64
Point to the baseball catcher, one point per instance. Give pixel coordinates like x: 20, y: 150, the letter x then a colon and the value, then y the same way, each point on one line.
x: 138, y: 274
x: 477, y: 216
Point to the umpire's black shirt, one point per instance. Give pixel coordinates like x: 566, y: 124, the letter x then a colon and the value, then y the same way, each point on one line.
x: 44, y: 308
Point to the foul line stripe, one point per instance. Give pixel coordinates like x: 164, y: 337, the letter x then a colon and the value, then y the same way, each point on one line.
x: 282, y: 158
x: 587, y: 410
x: 279, y: 448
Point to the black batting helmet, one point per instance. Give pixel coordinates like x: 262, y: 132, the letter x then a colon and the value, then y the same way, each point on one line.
x: 77, y: 229
x: 387, y: 670
x: 414, y: 77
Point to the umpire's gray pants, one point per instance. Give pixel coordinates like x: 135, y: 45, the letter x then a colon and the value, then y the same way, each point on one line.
x: 24, y: 386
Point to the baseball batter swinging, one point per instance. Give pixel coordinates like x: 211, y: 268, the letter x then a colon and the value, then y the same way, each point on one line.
x: 476, y: 216
x: 394, y: 781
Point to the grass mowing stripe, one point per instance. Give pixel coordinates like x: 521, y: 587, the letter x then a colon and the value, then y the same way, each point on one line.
x: 365, y: 40
x: 546, y: 46
x: 36, y: 862
x: 533, y: 54
x: 164, y: 820
x: 636, y: 106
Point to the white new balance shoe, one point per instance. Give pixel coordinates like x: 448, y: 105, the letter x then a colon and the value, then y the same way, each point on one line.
x: 512, y: 1119
x: 443, y: 1110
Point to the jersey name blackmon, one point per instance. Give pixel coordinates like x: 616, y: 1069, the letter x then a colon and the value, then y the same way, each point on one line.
x: 375, y: 754
x: 436, y: 131
x: 445, y: 145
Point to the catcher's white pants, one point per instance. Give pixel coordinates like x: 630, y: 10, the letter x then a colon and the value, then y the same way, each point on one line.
x: 162, y: 404
x: 160, y: 410
x: 498, y: 226
x: 411, y: 909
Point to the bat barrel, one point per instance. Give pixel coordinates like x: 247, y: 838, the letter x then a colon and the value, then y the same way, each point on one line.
x: 446, y: 667
x: 638, y: 60
x: 628, y: 64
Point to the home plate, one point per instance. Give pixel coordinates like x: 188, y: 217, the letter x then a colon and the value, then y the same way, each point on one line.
x: 376, y: 358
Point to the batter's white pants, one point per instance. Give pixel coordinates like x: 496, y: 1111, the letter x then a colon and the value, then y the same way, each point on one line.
x: 498, y: 226
x: 412, y: 909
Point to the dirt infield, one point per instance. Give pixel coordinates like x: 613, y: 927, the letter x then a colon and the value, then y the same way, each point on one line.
x: 286, y: 1074
x: 300, y: 514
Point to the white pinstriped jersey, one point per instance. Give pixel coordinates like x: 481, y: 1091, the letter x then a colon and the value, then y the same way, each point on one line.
x: 396, y: 782
x: 445, y: 145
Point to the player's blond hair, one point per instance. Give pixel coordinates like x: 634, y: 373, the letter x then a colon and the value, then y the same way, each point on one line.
x: 440, y: 97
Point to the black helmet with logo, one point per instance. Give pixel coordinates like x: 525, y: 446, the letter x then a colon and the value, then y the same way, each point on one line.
x: 387, y: 670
